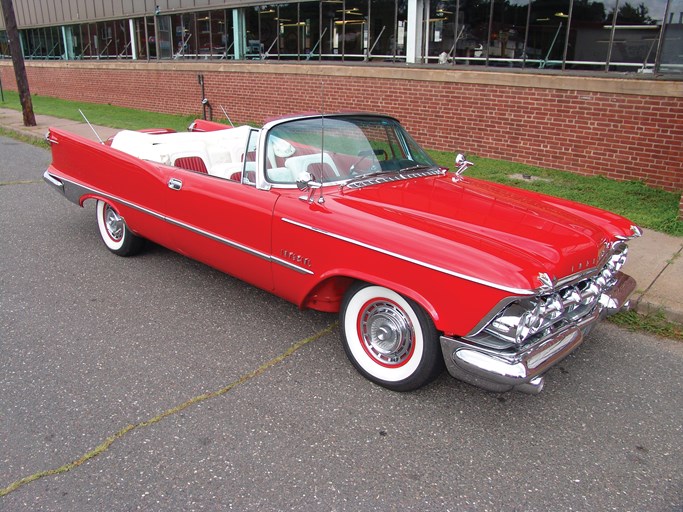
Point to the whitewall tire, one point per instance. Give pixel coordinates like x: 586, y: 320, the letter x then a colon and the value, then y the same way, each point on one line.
x: 114, y: 231
x: 389, y: 338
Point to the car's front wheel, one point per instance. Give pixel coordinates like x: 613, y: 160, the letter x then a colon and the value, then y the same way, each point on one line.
x: 389, y: 338
x: 115, y: 233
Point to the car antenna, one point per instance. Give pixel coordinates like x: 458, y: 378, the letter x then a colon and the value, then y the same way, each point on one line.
x: 227, y: 116
x: 91, y: 127
x: 321, y: 199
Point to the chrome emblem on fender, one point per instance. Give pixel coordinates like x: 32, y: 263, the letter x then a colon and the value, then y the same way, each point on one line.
x: 295, y: 258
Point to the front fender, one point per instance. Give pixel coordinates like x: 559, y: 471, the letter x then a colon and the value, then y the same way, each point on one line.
x: 333, y: 284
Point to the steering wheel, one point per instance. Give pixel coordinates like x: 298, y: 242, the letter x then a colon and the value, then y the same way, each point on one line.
x: 365, y: 154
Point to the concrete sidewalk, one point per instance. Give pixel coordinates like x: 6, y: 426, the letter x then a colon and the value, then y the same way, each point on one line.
x: 12, y: 120
x: 655, y: 260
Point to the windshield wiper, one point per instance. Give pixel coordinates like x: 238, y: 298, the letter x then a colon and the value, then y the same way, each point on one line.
x: 416, y: 167
x: 390, y: 171
x: 385, y: 172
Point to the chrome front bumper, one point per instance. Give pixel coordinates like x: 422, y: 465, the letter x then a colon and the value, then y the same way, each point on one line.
x: 522, y: 370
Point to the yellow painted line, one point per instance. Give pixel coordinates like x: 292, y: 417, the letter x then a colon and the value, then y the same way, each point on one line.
x: 19, y: 182
x: 104, y: 445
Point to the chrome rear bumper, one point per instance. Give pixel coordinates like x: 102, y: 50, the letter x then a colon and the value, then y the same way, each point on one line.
x: 523, y: 370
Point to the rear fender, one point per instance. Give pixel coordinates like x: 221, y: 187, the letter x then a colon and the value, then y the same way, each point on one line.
x: 100, y: 197
x: 95, y: 197
x: 74, y: 192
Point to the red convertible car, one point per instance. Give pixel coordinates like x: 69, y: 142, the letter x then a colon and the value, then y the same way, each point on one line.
x: 346, y: 213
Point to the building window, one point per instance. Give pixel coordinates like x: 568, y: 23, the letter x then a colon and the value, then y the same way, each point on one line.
x: 4, y: 45
x: 609, y: 35
x: 42, y: 43
x: 671, y: 52
x: 581, y: 34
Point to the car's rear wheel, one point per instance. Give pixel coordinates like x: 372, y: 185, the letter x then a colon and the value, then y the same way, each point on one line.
x: 389, y: 338
x: 114, y: 231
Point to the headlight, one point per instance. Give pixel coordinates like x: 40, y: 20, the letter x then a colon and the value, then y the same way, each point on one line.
x: 522, y: 320
x: 525, y: 318
x: 528, y: 323
x: 510, y: 324
x: 617, y: 260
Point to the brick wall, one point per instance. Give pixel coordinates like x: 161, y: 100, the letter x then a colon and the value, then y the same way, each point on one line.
x: 626, y: 129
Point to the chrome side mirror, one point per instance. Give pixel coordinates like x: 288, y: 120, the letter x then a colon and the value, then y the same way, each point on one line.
x: 307, y: 182
x: 462, y: 164
x: 303, y: 181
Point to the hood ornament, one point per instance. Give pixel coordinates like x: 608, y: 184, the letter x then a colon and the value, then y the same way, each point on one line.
x: 545, y: 280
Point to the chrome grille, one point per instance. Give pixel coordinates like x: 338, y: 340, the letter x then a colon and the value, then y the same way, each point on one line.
x: 528, y: 319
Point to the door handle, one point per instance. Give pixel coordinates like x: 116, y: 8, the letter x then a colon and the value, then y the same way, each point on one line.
x: 175, y: 184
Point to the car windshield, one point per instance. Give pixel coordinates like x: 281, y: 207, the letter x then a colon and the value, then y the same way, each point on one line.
x: 334, y: 149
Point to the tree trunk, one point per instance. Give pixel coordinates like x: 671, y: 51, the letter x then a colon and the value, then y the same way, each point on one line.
x: 18, y: 62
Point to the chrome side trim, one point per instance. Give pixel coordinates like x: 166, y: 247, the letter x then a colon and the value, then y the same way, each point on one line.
x: 516, y: 291
x: 50, y: 139
x: 636, y: 232
x: 74, y: 191
x: 208, y: 234
x: 291, y: 266
x: 51, y: 180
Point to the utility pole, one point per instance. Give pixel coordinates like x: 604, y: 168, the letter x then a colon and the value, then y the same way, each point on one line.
x: 18, y: 62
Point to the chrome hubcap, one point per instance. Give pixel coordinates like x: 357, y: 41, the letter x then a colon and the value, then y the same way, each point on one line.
x: 114, y: 223
x: 386, y: 332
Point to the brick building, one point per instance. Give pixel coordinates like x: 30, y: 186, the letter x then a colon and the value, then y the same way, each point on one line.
x: 590, y: 92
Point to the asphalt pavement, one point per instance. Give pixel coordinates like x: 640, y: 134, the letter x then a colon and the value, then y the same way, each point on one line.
x: 157, y: 383
x: 654, y: 261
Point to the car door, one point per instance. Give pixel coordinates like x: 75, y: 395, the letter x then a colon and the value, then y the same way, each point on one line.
x: 225, y: 223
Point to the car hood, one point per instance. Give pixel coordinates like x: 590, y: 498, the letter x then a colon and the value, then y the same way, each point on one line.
x: 489, y: 232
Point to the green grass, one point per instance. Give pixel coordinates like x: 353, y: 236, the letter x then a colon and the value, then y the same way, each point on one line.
x: 42, y: 143
x: 103, y: 115
x: 654, y: 323
x: 646, y: 206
